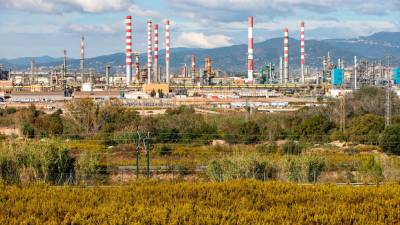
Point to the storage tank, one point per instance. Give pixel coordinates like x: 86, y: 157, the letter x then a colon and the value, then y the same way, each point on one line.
x: 87, y: 87
x: 396, y: 76
x: 337, y: 77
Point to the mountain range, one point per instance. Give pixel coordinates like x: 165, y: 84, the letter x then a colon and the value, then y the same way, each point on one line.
x: 383, y: 46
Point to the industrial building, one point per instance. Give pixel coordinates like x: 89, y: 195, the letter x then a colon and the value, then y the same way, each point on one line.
x: 198, y: 81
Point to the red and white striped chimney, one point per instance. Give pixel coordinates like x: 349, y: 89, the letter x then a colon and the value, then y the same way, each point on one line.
x: 156, y: 52
x: 137, y: 65
x: 302, y: 45
x: 250, y: 56
x: 149, y: 50
x: 128, y: 49
x: 167, y: 49
x: 286, y: 54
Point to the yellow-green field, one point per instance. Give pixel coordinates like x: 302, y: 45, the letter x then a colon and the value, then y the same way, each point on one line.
x: 236, y: 202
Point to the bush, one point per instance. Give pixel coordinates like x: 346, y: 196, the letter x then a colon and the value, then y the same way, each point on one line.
x: 390, y: 140
x: 292, y: 148
x: 165, y: 150
x: 58, y: 166
x: 8, y: 170
x: 221, y: 170
x: 365, y: 129
x: 243, y: 167
x: 27, y: 130
x: 87, y: 167
x: 371, y: 170
x: 315, y: 166
x: 249, y: 133
x: 270, y: 148
x: 294, y: 171
x: 315, y: 128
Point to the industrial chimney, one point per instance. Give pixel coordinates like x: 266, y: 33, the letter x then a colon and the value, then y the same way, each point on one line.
x: 128, y: 50
x: 250, y: 57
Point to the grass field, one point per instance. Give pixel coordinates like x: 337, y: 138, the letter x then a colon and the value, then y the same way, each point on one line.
x: 237, y: 202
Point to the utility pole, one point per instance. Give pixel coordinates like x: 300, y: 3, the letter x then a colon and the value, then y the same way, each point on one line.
x: 342, y: 110
x: 138, y: 148
x: 147, y: 147
x: 388, y: 106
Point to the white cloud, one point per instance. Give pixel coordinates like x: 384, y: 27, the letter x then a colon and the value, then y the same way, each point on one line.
x: 200, y: 40
x: 135, y: 10
x: 59, y: 6
x: 234, y: 10
x: 95, y: 28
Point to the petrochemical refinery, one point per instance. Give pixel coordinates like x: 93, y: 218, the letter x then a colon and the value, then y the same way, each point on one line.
x: 271, y: 88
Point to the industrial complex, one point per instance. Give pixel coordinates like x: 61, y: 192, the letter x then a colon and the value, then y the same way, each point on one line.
x: 271, y: 88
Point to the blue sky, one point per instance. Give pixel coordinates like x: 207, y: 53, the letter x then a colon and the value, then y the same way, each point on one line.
x: 47, y: 27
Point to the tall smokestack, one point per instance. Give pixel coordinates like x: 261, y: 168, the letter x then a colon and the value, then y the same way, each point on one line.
x: 250, y: 56
x: 156, y: 52
x: 64, y: 72
x: 281, y: 69
x: 355, y: 72
x: 302, y: 43
x: 149, y: 50
x: 286, y: 55
x: 82, y: 58
x: 128, y: 50
x: 137, y: 65
x: 167, y: 49
x: 108, y: 68
x: 193, y: 67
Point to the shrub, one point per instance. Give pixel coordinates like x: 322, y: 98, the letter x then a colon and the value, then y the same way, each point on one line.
x: 315, y: 166
x: 292, y: 148
x: 27, y: 130
x: 390, y: 139
x: 165, y: 150
x: 243, y: 167
x: 315, y: 128
x: 365, y: 129
x: 294, y: 171
x: 270, y: 148
x: 87, y: 167
x: 58, y: 166
x: 371, y: 170
x: 8, y: 170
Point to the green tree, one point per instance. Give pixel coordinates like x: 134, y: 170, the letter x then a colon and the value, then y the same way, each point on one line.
x: 390, y: 139
x: 366, y: 129
x: 249, y: 132
x: 314, y: 128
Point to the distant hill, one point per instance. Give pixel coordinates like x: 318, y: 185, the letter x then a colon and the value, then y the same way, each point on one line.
x: 233, y: 58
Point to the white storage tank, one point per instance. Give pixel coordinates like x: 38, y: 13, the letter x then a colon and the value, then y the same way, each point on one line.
x: 87, y: 87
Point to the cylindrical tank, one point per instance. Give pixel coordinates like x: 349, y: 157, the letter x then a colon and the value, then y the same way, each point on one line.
x: 86, y: 87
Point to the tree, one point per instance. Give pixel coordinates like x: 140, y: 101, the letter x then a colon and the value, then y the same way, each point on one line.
x: 390, y: 139
x: 366, y: 129
x: 49, y: 125
x: 249, y: 133
x: 314, y: 128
